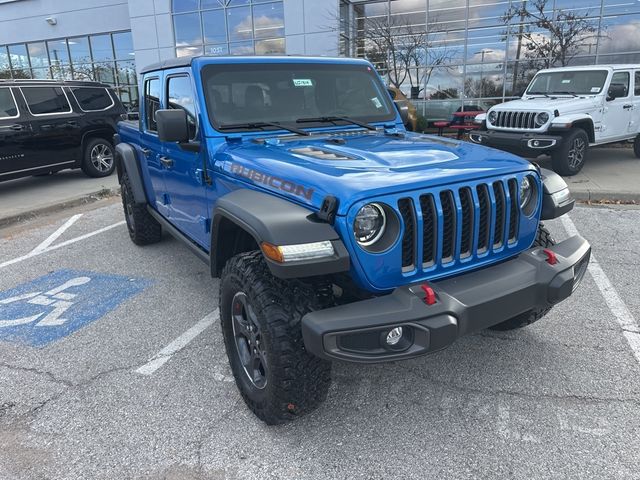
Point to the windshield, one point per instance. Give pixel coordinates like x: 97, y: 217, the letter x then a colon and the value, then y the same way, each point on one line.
x: 585, y: 82
x: 254, y: 94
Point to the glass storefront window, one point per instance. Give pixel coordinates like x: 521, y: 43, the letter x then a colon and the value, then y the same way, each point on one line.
x: 268, y: 20
x: 58, y: 53
x: 123, y: 46
x: 215, y: 26
x: 38, y: 55
x: 179, y: 6
x: 101, y: 47
x: 187, y: 29
x: 270, y: 47
x: 241, y: 48
x: 240, y: 23
x: 79, y: 49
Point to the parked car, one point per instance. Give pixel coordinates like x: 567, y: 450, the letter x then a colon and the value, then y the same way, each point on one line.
x: 564, y: 112
x: 408, y: 110
x: 336, y: 234
x: 47, y: 126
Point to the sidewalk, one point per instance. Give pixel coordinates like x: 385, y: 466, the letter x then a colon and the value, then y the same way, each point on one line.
x: 610, y: 174
x: 31, y: 196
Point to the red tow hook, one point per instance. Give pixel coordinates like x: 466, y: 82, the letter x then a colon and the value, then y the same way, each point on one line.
x: 429, y: 294
x: 551, y: 256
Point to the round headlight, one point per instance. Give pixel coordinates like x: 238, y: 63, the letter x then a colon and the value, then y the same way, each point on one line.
x: 528, y: 195
x: 493, y: 116
x: 542, y: 118
x: 369, y: 224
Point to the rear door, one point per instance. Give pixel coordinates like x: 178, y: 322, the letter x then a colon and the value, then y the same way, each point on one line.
x: 634, y: 126
x: 150, y: 148
x: 617, y: 116
x: 56, y: 127
x: 184, y: 168
x: 15, y: 133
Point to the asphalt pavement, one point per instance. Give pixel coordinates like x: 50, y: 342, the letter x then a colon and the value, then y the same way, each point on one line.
x: 128, y: 377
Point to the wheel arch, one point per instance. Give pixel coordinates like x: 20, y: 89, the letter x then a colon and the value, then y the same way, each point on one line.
x: 126, y: 161
x: 569, y: 122
x: 244, y: 219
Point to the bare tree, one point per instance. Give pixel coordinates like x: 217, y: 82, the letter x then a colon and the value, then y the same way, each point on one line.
x: 550, y: 38
x: 403, y: 51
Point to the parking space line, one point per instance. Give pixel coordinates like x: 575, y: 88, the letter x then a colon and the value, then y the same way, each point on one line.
x: 164, y: 355
x: 626, y: 320
x: 60, y: 245
x: 55, y: 235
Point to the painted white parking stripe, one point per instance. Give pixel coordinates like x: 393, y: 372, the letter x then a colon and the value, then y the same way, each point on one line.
x: 55, y: 235
x: 164, y: 355
x: 60, y: 245
x: 624, y: 317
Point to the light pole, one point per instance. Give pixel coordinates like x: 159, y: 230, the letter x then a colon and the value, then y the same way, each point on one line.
x: 482, y: 52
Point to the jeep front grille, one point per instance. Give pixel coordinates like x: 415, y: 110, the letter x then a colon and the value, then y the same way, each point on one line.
x: 516, y: 120
x: 457, y: 223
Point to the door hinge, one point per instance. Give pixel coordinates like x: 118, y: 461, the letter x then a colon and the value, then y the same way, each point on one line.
x: 206, y: 224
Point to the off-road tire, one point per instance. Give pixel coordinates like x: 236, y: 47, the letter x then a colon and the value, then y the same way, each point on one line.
x: 296, y: 381
x: 636, y: 146
x: 543, y: 239
x: 88, y: 167
x: 560, y: 158
x: 143, y: 228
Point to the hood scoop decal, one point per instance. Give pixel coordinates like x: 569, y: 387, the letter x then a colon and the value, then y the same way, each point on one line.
x: 321, y: 153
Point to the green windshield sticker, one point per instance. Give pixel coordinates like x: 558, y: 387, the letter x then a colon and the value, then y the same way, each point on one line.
x: 302, y: 82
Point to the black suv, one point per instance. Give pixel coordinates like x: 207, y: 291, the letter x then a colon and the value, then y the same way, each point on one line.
x: 48, y: 125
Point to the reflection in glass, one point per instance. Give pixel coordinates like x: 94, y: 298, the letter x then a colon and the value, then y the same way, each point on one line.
x: 215, y: 27
x: 187, y: 29
x: 123, y: 46
x: 58, y: 53
x: 239, y: 23
x: 273, y: 46
x: 38, y: 54
x: 179, y: 6
x: 79, y: 49
x: 101, y: 47
x: 241, y: 48
x: 268, y: 20
x: 18, y: 56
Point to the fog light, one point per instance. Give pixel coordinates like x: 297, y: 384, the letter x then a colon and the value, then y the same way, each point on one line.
x: 394, y: 336
x: 536, y: 143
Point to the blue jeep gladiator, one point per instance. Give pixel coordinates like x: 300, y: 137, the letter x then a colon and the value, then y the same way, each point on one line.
x: 336, y: 234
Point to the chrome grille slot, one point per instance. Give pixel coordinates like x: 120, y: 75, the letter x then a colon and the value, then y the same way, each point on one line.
x: 520, y: 120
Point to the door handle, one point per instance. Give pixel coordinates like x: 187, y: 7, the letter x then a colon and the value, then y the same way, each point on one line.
x: 626, y: 107
x: 145, y: 151
x: 17, y: 127
x: 46, y: 127
x: 166, y: 161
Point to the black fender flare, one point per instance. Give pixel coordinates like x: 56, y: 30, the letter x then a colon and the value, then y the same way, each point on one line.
x: 271, y: 219
x: 556, y: 197
x: 126, y: 161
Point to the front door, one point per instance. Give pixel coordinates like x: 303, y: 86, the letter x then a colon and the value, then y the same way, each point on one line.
x: 150, y: 149
x: 15, y: 136
x: 184, y: 174
x: 617, y: 112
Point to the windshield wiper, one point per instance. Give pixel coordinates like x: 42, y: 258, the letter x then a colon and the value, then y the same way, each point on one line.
x: 261, y: 125
x: 538, y: 93
x: 334, y: 119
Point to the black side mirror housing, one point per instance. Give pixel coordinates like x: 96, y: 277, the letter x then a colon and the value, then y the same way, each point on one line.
x: 616, y: 90
x: 172, y: 125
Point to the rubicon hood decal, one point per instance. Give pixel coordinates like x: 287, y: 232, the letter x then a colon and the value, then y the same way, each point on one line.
x: 272, y: 181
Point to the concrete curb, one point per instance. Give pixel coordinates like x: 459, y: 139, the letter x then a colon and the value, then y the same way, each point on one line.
x: 55, y: 207
x: 606, y: 196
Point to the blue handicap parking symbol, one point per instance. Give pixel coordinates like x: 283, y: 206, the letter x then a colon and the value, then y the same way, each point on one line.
x: 56, y: 305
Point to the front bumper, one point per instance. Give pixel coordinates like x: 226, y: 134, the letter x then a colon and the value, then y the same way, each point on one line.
x: 464, y: 304
x: 517, y: 142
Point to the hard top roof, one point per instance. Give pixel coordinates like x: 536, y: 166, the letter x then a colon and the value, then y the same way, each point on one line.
x: 66, y: 83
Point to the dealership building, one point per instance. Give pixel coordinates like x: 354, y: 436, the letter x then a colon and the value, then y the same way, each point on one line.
x: 469, y: 51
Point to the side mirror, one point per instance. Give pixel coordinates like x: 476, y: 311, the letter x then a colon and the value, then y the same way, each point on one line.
x: 616, y: 90
x: 172, y: 125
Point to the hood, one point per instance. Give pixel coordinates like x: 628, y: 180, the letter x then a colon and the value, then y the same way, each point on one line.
x: 564, y: 105
x: 354, y: 167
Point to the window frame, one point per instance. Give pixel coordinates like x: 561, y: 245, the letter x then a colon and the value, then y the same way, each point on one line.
x: 628, y: 73
x: 636, y: 83
x: 15, y: 102
x: 193, y: 92
x: 144, y: 117
x: 67, y: 112
x: 96, y: 88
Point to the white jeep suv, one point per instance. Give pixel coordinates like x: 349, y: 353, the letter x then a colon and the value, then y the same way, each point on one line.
x: 566, y: 110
